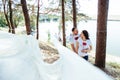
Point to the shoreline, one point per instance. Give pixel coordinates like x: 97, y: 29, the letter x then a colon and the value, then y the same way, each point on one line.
x: 109, y: 58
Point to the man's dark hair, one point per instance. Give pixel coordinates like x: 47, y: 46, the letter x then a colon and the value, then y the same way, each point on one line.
x: 73, y: 29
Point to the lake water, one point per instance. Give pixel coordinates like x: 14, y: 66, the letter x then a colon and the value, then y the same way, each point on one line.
x: 113, y: 29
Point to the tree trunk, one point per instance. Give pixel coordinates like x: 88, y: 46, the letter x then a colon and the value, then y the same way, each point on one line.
x: 63, y: 23
x: 6, y: 16
x: 37, y: 24
x: 74, y: 13
x: 101, y: 33
x: 11, y: 17
x: 26, y: 16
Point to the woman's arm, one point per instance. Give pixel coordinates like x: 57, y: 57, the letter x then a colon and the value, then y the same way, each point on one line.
x: 90, y: 46
x: 87, y: 50
x: 77, y: 47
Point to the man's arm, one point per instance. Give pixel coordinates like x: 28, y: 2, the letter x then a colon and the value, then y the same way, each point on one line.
x: 73, y: 48
x: 77, y: 47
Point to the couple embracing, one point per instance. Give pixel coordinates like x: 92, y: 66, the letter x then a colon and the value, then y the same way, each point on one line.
x: 80, y: 43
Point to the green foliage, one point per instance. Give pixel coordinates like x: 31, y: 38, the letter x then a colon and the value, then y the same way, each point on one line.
x: 3, y: 22
x: 69, y: 12
x: 82, y: 17
x: 17, y: 18
x: 56, y: 11
x: 114, y: 65
x: 17, y: 15
x: 49, y: 36
x: 32, y: 21
x: 53, y: 16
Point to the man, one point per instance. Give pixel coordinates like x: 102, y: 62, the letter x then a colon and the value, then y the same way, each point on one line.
x: 73, y: 38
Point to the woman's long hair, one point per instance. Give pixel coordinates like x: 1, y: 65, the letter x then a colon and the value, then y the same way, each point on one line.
x: 86, y: 34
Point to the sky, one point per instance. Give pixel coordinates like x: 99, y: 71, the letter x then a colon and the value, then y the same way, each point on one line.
x: 90, y: 7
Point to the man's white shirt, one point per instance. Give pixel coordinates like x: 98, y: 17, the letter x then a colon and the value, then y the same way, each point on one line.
x: 72, y: 39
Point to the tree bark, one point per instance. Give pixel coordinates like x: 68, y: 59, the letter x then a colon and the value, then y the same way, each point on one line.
x: 63, y: 23
x: 101, y: 33
x: 37, y: 24
x: 11, y: 16
x: 26, y: 16
x: 6, y: 16
x: 74, y: 13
